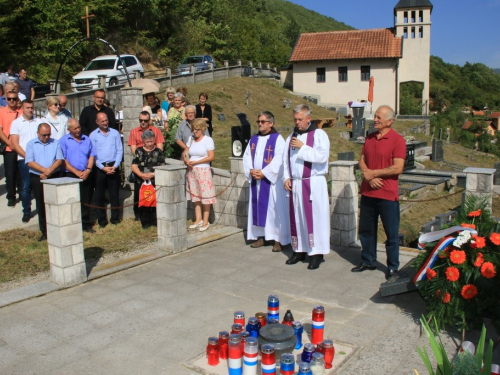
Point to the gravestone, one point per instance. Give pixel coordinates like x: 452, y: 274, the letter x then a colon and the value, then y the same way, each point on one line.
x: 345, y: 135
x: 437, y: 150
x: 496, y: 176
x: 358, y: 128
x: 349, y: 156
x: 221, y: 117
x: 371, y: 128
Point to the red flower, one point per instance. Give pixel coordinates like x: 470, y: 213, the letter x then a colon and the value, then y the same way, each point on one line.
x: 465, y: 225
x: 495, y: 238
x: 474, y: 213
x: 469, y: 291
x: 488, y: 270
x: 452, y: 274
x: 446, y: 297
x: 480, y: 242
x: 457, y: 256
x: 430, y: 273
x: 479, y: 260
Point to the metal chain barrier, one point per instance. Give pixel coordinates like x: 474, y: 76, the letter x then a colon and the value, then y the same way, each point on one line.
x: 120, y: 207
x: 433, y: 199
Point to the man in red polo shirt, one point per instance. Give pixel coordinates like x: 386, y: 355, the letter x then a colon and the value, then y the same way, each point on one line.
x: 7, y: 115
x: 135, y: 141
x: 382, y: 161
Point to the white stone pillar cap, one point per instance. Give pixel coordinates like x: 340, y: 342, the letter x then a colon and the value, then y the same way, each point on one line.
x: 62, y: 181
x: 346, y: 163
x: 480, y: 170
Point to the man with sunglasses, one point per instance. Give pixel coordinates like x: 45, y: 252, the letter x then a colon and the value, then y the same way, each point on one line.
x: 263, y: 165
x: 135, y: 141
x: 43, y: 157
x: 7, y: 116
x: 88, y: 116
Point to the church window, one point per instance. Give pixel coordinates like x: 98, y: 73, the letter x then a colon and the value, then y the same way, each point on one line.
x: 405, y: 33
x: 320, y: 75
x: 342, y: 73
x: 421, y: 32
x: 420, y: 16
x: 413, y: 16
x: 413, y: 33
x: 405, y: 17
x: 365, y: 72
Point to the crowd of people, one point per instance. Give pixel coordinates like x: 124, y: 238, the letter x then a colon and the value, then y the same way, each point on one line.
x: 283, y: 174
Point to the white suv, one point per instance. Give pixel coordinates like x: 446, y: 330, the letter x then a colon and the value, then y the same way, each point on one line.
x: 110, y: 66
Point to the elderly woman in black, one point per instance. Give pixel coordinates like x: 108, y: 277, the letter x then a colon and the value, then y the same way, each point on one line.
x: 146, y: 158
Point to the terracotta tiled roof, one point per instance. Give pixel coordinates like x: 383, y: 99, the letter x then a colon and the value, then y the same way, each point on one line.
x: 352, y: 44
x: 467, y: 125
x: 494, y: 115
x: 478, y: 113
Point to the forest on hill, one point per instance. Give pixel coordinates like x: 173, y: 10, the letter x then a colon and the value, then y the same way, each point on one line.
x: 37, y: 33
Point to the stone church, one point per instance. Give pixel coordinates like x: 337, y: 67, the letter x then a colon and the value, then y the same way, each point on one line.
x: 335, y: 67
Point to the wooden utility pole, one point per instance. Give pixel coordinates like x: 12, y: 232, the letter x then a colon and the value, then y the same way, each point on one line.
x: 87, y: 16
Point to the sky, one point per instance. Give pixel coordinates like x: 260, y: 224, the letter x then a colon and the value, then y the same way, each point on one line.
x: 461, y: 31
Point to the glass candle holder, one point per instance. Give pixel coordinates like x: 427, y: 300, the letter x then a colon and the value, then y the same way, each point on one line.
x: 273, y: 307
x: 287, y: 364
x: 262, y: 318
x: 304, y: 369
x: 235, y: 354
x: 299, y: 330
x: 223, y: 340
x: 306, y: 355
x: 213, y: 351
x: 239, y: 318
x: 318, y: 324
x: 318, y: 364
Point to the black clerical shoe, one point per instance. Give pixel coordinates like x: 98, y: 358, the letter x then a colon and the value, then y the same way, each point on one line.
x: 296, y: 258
x: 363, y: 267
x: 43, y: 237
x: 315, y: 261
x: 11, y: 203
x: 26, y: 218
x: 390, y: 273
x: 103, y: 224
x: 88, y: 230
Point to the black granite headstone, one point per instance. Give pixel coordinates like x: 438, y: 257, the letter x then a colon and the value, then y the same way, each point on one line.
x: 437, y: 150
x: 371, y: 128
x: 349, y: 155
x: 358, y: 127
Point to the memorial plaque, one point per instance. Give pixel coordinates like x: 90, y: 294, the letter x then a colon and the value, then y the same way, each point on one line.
x: 437, y: 150
x: 401, y: 282
x: 358, y: 127
x: 349, y: 155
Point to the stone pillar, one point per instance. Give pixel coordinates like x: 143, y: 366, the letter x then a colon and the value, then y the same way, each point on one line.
x: 479, y: 183
x: 226, y: 63
x: 171, y: 210
x: 238, y: 62
x: 64, y: 231
x: 102, y: 81
x: 344, y: 204
x: 191, y: 69
x: 168, y: 72
x: 137, y: 74
x: 268, y: 66
x: 132, y: 106
x: 236, y: 207
x: 250, y: 64
x: 259, y: 65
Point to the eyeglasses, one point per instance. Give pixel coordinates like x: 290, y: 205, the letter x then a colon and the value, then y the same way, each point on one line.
x: 261, y: 121
x: 57, y: 104
x: 11, y: 99
x: 45, y: 135
x: 141, y: 120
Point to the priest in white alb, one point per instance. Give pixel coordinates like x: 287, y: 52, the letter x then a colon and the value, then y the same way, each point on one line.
x: 263, y: 165
x: 305, y: 166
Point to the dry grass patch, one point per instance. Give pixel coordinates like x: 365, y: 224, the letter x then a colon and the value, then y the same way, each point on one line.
x: 22, y: 255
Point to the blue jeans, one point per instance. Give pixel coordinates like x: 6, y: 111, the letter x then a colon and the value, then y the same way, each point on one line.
x: 25, y: 194
x: 371, y: 209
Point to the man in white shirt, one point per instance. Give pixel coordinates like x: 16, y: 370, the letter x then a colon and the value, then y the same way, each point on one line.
x: 23, y: 130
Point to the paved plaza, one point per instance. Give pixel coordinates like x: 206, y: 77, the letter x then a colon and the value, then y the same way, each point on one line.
x: 153, y: 318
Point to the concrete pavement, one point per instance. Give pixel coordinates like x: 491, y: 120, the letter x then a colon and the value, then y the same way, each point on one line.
x: 153, y: 318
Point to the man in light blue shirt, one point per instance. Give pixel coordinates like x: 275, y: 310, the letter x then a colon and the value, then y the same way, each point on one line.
x: 108, y: 147
x: 43, y: 157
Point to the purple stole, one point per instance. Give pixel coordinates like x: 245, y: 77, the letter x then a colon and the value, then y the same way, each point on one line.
x: 306, y: 194
x: 260, y: 201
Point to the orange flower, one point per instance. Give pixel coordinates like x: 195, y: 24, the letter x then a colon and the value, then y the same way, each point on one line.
x: 474, y: 213
x: 457, y: 256
x: 495, y: 238
x: 480, y: 242
x: 452, y: 274
x: 465, y: 225
x: 430, y: 273
x: 469, y: 291
x: 446, y: 297
x: 479, y: 260
x: 488, y: 270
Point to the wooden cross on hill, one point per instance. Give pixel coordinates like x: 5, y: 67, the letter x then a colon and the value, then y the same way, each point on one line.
x: 87, y: 16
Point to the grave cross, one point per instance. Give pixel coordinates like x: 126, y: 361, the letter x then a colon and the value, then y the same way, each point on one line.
x: 87, y: 16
